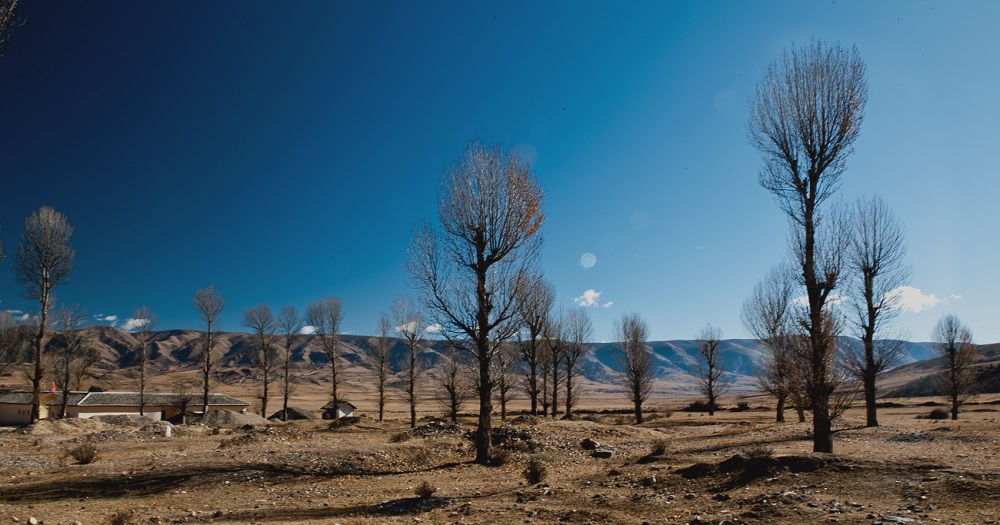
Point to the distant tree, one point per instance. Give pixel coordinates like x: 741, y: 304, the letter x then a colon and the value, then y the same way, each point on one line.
x: 43, y: 261
x: 14, y: 341
x: 379, y: 348
x: 635, y: 362
x: 555, y: 347
x: 143, y: 323
x: 324, y: 316
x: 290, y: 324
x: 953, y: 341
x: 804, y: 118
x: 504, y: 365
x: 410, y: 328
x: 264, y: 356
x: 577, y: 330
x: 471, y: 269
x: 876, y: 270
x: 545, y: 365
x: 455, y: 383
x: 711, y: 374
x: 184, y: 399
x: 75, y: 351
x: 208, y: 303
x: 534, y: 305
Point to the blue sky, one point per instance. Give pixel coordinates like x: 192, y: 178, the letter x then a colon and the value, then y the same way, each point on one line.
x: 285, y: 154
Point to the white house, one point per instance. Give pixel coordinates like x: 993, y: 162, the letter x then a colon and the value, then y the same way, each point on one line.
x: 15, y: 407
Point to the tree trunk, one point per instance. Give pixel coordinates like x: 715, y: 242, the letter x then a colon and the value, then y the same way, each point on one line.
x: 263, y: 401
x: 484, y: 447
x: 822, y: 430
x: 801, y: 411
x: 533, y: 387
x: 779, y: 415
x: 638, y: 412
x: 871, y: 411
x: 36, y: 380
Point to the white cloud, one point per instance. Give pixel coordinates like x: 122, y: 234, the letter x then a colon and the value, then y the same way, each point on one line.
x: 18, y: 315
x: 434, y: 328
x: 910, y: 299
x: 608, y: 304
x: 589, y: 298
x: 106, y: 318
x: 132, y: 323
x: 832, y: 300
x: 308, y: 330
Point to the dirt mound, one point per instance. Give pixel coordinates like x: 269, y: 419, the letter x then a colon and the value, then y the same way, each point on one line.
x: 228, y: 419
x: 294, y: 414
x: 436, y: 428
x: 125, y: 420
x: 64, y: 427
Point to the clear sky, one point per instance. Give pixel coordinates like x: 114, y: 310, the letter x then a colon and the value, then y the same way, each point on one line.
x: 284, y: 152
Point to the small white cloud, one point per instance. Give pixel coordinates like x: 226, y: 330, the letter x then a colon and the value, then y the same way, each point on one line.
x: 589, y: 298
x: 106, y: 318
x: 435, y: 328
x: 608, y: 304
x: 308, y: 330
x: 132, y: 323
x: 910, y: 299
x: 832, y: 300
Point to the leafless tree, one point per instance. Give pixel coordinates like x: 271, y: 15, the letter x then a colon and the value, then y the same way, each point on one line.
x: 876, y: 267
x: 7, y: 23
x: 184, y: 399
x: 14, y: 338
x: 804, y: 118
x: 953, y: 341
x: 534, y: 305
x: 324, y: 316
x: 545, y: 365
x: 553, y: 361
x: 504, y: 375
x: 410, y: 328
x: 42, y: 262
x: 290, y: 324
x: 471, y: 269
x: 208, y: 303
x: 379, y: 348
x: 264, y: 356
x: 768, y: 316
x: 75, y: 351
x: 455, y: 382
x: 635, y: 362
x: 577, y: 330
x: 711, y: 375
x: 143, y: 322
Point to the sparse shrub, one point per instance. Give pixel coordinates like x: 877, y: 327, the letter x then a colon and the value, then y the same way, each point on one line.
x: 535, y: 471
x: 122, y: 517
x: 425, y: 490
x: 500, y: 457
x: 84, y: 454
x: 938, y: 413
x: 758, y: 453
x: 659, y: 448
x: 742, y: 406
x: 698, y: 406
x: 758, y: 462
x: 400, y: 437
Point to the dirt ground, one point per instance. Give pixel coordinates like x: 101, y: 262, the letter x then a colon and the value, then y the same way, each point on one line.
x: 734, y: 467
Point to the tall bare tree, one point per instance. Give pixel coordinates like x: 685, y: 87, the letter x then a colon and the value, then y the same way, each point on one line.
x: 264, y: 356
x: 143, y: 323
x: 953, y: 341
x: 555, y: 348
x: 534, y: 306
x: 75, y: 351
x: 410, y: 328
x: 455, y: 382
x: 290, y: 324
x: 877, y: 269
x: 577, y: 330
x: 42, y: 262
x: 209, y: 304
x: 324, y: 316
x: 379, y: 348
x: 804, y: 119
x: 14, y: 339
x: 471, y: 270
x: 505, y: 366
x: 635, y: 362
x: 711, y: 374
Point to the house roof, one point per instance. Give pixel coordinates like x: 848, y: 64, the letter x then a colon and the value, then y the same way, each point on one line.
x: 344, y: 406
x: 124, y: 399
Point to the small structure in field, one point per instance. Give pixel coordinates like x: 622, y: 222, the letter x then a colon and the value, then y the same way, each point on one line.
x: 344, y: 409
x: 15, y: 407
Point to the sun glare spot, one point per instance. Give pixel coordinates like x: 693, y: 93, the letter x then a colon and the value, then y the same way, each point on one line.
x: 588, y: 260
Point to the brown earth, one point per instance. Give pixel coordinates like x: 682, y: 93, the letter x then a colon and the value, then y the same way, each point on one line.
x: 735, y: 467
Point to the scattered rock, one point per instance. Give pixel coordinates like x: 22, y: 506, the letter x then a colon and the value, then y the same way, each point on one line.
x: 589, y: 444
x: 602, y: 453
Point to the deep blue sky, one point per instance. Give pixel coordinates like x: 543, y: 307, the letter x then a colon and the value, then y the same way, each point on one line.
x: 285, y: 152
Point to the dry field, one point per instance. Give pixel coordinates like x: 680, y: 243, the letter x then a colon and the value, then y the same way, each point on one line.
x: 735, y: 467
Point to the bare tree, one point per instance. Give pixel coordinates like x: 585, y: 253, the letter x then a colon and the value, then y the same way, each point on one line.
x: 635, y: 361
x: 208, y: 303
x: 534, y: 305
x: 454, y: 381
x: 711, y: 375
x: 14, y: 338
x: 953, y: 341
x: 577, y: 330
x: 471, y: 270
x: 804, y: 118
x: 143, y: 322
x: 264, y: 324
x: 555, y: 348
x: 768, y: 316
x: 379, y: 348
x: 290, y: 324
x: 324, y: 316
x: 410, y: 328
x: 876, y: 271
x: 43, y: 261
x: 7, y: 23
x: 75, y: 351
